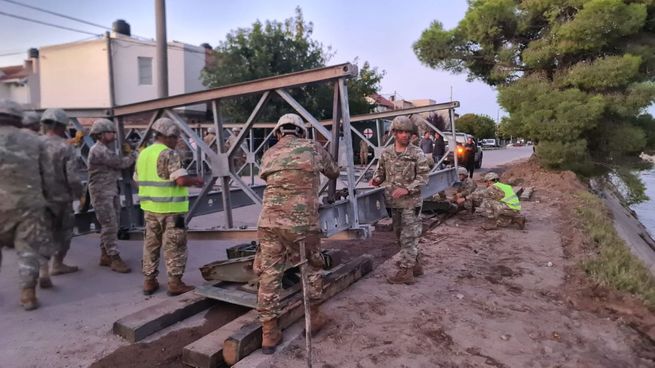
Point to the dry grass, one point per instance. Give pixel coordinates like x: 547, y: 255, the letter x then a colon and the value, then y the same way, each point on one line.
x: 614, y: 265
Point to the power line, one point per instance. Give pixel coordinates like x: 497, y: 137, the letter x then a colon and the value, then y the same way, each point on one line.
x: 12, y: 53
x: 57, y: 14
x: 46, y: 23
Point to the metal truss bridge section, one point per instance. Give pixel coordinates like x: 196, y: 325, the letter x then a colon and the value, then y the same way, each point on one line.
x: 346, y: 217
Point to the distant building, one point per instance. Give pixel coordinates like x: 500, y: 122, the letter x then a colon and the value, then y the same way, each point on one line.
x: 79, y: 74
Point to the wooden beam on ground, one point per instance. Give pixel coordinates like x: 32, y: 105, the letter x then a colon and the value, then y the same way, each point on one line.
x: 207, y: 352
x: 249, y: 337
x: 139, y: 325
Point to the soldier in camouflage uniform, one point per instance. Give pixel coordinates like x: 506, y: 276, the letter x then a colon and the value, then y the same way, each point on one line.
x: 164, y: 209
x: 403, y: 170
x: 239, y: 156
x: 104, y: 169
x: 31, y: 121
x: 498, y: 203
x: 23, y: 193
x: 67, y: 186
x: 289, y: 215
x: 464, y: 191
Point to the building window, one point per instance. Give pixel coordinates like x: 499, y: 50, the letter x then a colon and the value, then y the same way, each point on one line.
x: 145, y: 70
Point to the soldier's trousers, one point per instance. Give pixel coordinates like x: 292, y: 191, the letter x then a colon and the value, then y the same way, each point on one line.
x: 498, y: 211
x: 27, y: 231
x: 167, y: 231
x: 279, y: 249
x: 408, y: 227
x: 61, y: 221
x: 108, y: 212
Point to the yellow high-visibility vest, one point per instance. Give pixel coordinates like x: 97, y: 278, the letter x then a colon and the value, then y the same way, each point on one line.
x: 158, y: 195
x: 510, y: 198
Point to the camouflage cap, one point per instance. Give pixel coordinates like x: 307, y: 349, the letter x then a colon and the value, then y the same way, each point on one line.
x: 11, y: 108
x: 462, y: 171
x: 491, y: 176
x: 403, y: 123
x: 54, y: 116
x: 102, y: 126
x: 31, y: 118
x: 166, y: 127
x: 291, y: 119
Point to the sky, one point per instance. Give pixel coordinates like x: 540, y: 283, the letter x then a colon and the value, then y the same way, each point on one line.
x: 380, y: 32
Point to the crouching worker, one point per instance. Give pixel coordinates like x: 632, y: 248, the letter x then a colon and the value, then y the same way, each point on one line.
x: 164, y: 198
x: 499, y: 204
x: 289, y: 216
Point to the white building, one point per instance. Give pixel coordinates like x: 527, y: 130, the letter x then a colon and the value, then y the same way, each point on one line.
x: 79, y: 74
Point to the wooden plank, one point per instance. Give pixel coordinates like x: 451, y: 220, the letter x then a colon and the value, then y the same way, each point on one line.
x: 232, y: 296
x: 207, y: 352
x: 139, y: 325
x: 249, y: 338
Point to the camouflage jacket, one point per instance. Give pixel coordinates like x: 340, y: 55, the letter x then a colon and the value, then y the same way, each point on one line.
x: 26, y: 174
x: 292, y: 170
x: 490, y: 193
x: 467, y: 188
x: 62, y: 158
x: 407, y: 170
x: 104, y: 169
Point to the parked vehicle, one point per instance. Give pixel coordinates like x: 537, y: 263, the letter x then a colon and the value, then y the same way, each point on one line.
x: 489, y: 142
x: 458, y: 145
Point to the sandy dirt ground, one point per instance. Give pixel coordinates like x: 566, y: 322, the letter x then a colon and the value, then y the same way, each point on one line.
x: 504, y: 298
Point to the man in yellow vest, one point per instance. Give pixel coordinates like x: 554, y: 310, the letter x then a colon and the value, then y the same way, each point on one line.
x: 164, y: 199
x: 498, y: 203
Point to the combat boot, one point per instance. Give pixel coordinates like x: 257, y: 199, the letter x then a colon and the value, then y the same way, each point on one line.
x: 402, y: 276
x: 490, y: 224
x: 60, y: 268
x: 271, y: 336
x: 105, y: 259
x: 150, y: 285
x: 318, y: 320
x: 28, y: 299
x: 44, y: 276
x: 118, y: 265
x: 418, y: 269
x: 520, y: 221
x: 176, y: 286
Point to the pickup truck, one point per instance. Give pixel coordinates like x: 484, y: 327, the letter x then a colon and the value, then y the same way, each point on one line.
x: 459, y: 147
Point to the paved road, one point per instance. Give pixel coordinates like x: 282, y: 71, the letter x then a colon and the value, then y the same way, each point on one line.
x: 493, y: 158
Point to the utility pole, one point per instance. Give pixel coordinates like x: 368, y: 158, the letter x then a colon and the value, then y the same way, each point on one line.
x: 162, y: 49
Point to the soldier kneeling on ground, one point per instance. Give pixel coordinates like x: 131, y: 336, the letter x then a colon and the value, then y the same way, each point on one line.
x: 499, y: 203
x: 462, y: 197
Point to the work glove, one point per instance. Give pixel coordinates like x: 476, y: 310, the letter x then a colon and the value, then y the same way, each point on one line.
x: 127, y: 149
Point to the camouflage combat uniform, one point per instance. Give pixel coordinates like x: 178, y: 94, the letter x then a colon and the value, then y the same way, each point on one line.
x: 290, y: 214
x: 24, y: 188
x: 104, y: 169
x: 488, y: 200
x: 239, y: 156
x: 165, y: 230
x: 61, y: 157
x: 465, y: 190
x: 409, y: 170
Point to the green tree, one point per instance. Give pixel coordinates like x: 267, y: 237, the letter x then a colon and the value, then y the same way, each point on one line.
x: 574, y: 75
x: 480, y: 126
x: 273, y: 48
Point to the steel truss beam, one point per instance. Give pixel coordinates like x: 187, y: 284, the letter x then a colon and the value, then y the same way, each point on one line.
x: 350, y: 217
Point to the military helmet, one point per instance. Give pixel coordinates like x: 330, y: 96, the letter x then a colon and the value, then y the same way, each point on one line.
x: 211, y: 130
x: 291, y: 119
x: 51, y: 116
x: 403, y: 123
x: 31, y: 118
x: 462, y: 171
x: 102, y: 126
x: 491, y: 176
x: 166, y: 127
x: 11, y: 108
